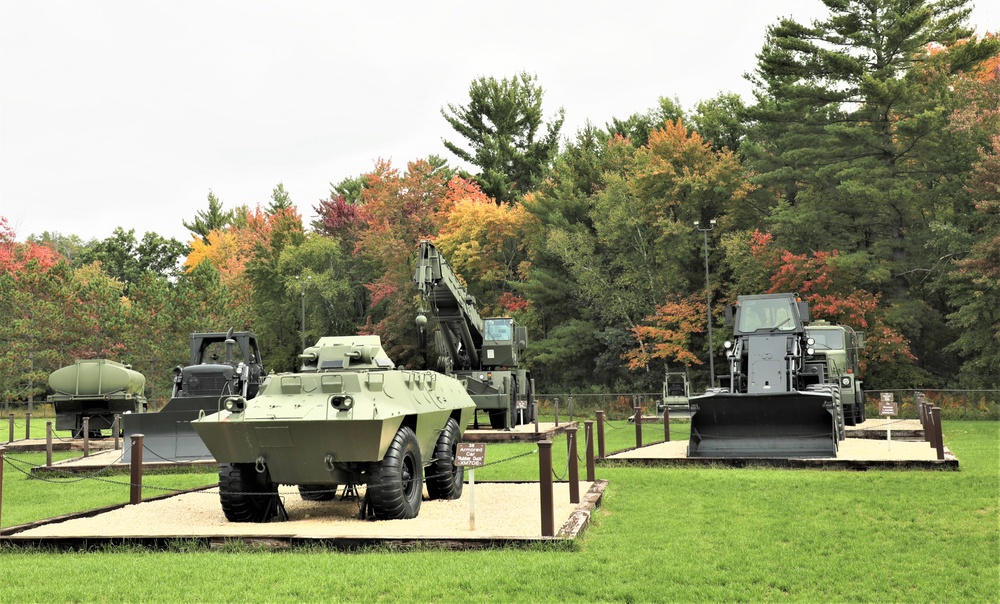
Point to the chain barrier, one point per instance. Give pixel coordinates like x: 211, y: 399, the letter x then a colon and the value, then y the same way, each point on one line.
x: 95, y: 476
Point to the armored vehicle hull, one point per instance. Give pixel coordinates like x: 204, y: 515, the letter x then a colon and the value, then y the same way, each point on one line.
x: 348, y: 418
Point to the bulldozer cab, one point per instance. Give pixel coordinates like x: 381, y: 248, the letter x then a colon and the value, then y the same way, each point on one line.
x: 771, y: 314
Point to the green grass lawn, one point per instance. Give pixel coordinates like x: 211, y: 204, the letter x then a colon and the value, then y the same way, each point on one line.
x: 662, y: 534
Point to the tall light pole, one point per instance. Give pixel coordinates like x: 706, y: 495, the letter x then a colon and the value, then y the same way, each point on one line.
x: 708, y: 301
x: 302, y: 283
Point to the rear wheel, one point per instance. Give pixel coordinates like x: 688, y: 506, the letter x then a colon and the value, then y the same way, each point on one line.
x: 498, y: 418
x: 445, y: 480
x: 318, y: 492
x: 396, y: 485
x: 246, y: 494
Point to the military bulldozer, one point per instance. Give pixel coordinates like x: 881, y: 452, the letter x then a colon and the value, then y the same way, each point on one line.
x: 97, y: 389
x: 777, y: 401
x: 221, y: 365
x: 483, y: 353
x: 348, y: 417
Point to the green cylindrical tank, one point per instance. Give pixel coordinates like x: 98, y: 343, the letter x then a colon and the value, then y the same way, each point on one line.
x: 96, y: 377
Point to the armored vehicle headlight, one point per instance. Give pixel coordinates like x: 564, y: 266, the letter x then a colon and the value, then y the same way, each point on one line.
x: 342, y: 402
x: 235, y: 404
x: 845, y: 381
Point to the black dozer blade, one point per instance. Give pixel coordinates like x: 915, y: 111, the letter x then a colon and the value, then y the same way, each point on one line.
x: 763, y: 425
x: 167, y: 435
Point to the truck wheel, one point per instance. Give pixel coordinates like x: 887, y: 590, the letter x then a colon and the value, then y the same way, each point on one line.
x: 445, y: 480
x: 396, y: 485
x: 318, y: 492
x: 498, y: 418
x: 246, y: 495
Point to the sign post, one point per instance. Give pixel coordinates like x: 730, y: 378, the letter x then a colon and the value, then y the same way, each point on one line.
x: 889, y: 408
x: 472, y: 456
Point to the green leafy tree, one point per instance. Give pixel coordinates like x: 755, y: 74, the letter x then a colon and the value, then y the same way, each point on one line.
x: 503, y: 126
x: 212, y: 219
x: 124, y: 258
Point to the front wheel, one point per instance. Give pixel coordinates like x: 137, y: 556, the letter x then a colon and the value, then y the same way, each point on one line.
x: 445, y: 480
x: 396, y: 485
x: 246, y: 494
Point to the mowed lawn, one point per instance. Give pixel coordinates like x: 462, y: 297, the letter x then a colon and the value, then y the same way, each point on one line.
x: 662, y: 534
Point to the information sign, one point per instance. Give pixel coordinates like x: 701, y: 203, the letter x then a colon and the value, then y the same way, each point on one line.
x: 470, y: 455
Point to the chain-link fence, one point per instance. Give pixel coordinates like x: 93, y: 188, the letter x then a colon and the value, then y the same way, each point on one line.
x: 954, y: 404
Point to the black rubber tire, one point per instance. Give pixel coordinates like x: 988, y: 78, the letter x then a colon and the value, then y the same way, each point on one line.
x: 444, y: 479
x: 396, y: 485
x: 318, y: 492
x: 246, y: 494
x: 861, y: 405
x: 851, y: 415
x: 498, y: 418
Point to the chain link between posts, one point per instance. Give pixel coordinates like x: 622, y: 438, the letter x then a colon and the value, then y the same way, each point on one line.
x: 95, y: 476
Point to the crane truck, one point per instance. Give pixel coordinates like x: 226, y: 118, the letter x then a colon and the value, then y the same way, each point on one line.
x: 483, y: 353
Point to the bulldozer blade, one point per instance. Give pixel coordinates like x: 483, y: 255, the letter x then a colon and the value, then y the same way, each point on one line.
x: 168, y: 434
x: 779, y: 425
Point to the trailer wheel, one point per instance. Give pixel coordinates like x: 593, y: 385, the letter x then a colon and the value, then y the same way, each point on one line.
x: 445, y: 480
x: 318, y: 492
x: 246, y: 495
x: 396, y: 485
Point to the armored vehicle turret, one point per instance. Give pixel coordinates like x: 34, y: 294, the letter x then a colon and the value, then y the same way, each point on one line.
x: 347, y: 417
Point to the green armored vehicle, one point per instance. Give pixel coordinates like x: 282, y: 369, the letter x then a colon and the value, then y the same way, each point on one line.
x: 97, y: 389
x: 348, y: 417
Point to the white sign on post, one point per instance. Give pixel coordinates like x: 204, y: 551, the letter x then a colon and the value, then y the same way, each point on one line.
x: 472, y: 456
x: 889, y: 408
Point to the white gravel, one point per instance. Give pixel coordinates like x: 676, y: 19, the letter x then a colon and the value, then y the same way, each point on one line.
x: 503, y: 510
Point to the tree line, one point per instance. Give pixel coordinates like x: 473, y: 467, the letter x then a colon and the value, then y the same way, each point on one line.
x: 864, y: 176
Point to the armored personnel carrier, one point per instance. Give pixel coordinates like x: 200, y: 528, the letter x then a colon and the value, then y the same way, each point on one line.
x: 348, y: 417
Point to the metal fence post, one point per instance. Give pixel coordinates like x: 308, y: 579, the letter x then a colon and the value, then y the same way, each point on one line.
x: 666, y: 424
x: 135, y: 470
x: 557, y: 411
x: 48, y: 444
x: 545, y: 487
x: 938, y: 435
x: 27, y: 426
x: 574, y: 466
x: 534, y: 405
x: 3, y: 450
x: 600, y: 435
x: 638, y: 427
x: 11, y: 439
x: 86, y: 437
x: 116, y: 428
x: 588, y: 429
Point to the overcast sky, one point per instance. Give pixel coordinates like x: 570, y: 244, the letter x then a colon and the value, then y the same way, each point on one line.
x: 126, y: 113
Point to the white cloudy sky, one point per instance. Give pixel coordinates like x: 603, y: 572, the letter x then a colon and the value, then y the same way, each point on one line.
x: 127, y: 112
